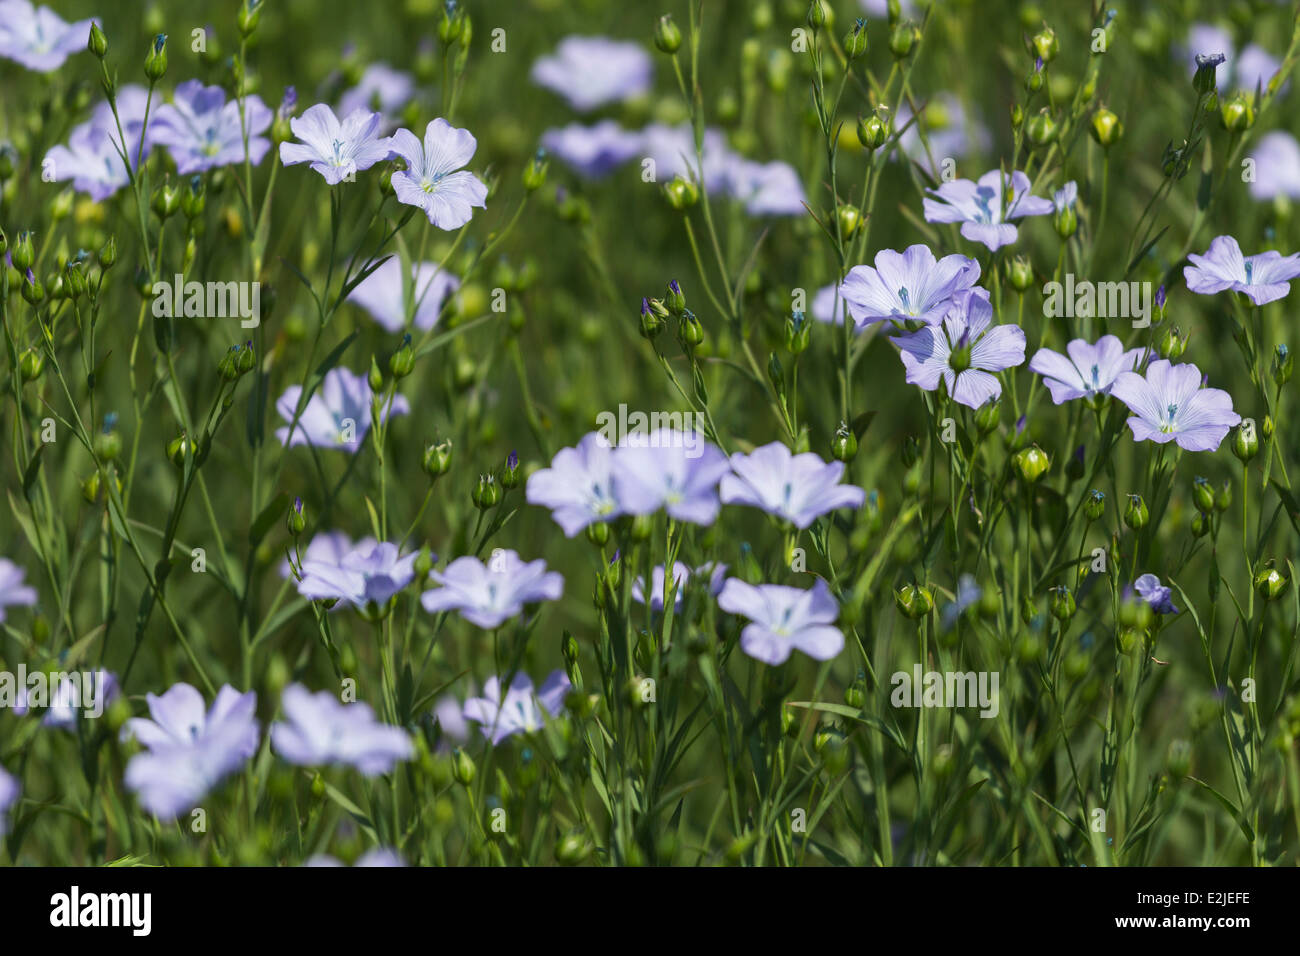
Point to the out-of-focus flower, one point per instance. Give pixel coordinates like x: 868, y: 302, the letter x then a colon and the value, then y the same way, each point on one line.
x: 73, y: 697
x: 591, y: 71
x: 592, y: 151
x: 8, y: 796
x: 377, y: 856
x: 1160, y: 598
x: 767, y: 189
x: 381, y: 89
x: 579, y: 485
x: 337, y: 415
x: 488, y: 595
x: 682, y: 575
x: 203, y: 131
x: 37, y: 37
x: 12, y: 589
x: 676, y: 471
x: 950, y: 132
x: 1277, y: 166
x: 367, y: 575
x: 390, y: 301
x: 522, y: 710
x: 1253, y: 66
x: 321, y: 730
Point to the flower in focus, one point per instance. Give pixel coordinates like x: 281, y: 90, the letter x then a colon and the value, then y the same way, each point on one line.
x: 337, y: 416
x: 578, y: 487
x: 591, y: 71
x: 1262, y: 278
x: 12, y: 589
x: 669, y: 469
x: 37, y: 37
x: 907, y: 285
x: 1160, y: 598
x: 522, y: 711
x: 203, y: 131
x: 336, y: 150
x: 1086, y: 370
x: 389, y: 300
x: 368, y: 575
x: 433, y: 179
x: 488, y: 595
x: 189, y: 750
x: 1169, y: 404
x: 784, y: 619
x: 978, y: 206
x: 321, y: 730
x: 795, y: 488
x: 963, y: 352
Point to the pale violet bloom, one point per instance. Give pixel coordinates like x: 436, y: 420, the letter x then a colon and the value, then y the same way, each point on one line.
x: 488, y: 595
x: 433, y: 179
x: 523, y: 710
x: 381, y: 89
x: 784, y: 619
x: 365, y: 577
x: 1085, y: 370
x: 828, y: 306
x: 37, y: 37
x: 672, y: 149
x: 1066, y: 197
x: 591, y: 71
x: 71, y: 699
x: 964, y: 351
x: 579, y: 485
x: 968, y: 592
x: 795, y: 488
x: 203, y: 131
x: 907, y: 285
x: 13, y: 591
x: 337, y: 150
x: 880, y: 8
x: 450, y: 715
x: 767, y: 189
x: 1252, y: 67
x: 189, y: 750
x: 949, y: 131
x: 682, y: 575
x: 978, y: 206
x: 391, y: 301
x: 1277, y: 166
x: 1159, y: 597
x: 676, y: 471
x: 320, y: 730
x: 91, y: 160
x: 337, y: 415
x: 8, y: 796
x: 1264, y: 277
x: 328, y: 546
x: 376, y: 856
x: 1169, y: 404
x: 592, y: 151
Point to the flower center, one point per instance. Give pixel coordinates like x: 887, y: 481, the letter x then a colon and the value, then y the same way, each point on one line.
x: 1167, y: 426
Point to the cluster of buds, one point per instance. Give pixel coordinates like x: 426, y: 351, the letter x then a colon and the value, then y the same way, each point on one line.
x: 238, y: 361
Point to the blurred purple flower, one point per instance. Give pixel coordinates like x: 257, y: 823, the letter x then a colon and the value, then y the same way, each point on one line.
x: 337, y: 415
x: 376, y: 856
x: 37, y: 37
x: 71, y: 698
x: 682, y: 575
x: 189, y: 751
x: 488, y: 595
x: 522, y: 711
x: 669, y: 469
x: 579, y: 485
x: 381, y: 89
x: 365, y: 577
x: 1253, y: 66
x: 964, y: 351
x: 320, y: 730
x: 1169, y: 404
x: 328, y: 546
x: 795, y: 488
x: 1277, y: 166
x: 389, y: 300
x: 8, y: 796
x: 433, y: 179
x: 12, y: 589
x: 591, y: 71
x: 767, y: 189
x: 950, y: 132
x: 784, y: 619
x: 592, y: 151
x: 203, y: 131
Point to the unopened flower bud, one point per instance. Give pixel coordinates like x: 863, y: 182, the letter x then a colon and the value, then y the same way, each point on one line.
x: 297, y: 521
x: 681, y: 193
x: 487, y: 493
x: 97, y: 42
x: 1283, y: 365
x: 1045, y: 44
x: 1245, y: 442
x: 1062, y: 604
x: 1095, y: 506
x: 1136, y: 515
x: 914, y: 601
x: 873, y: 130
x: 155, y: 62
x: 1270, y: 584
x: 667, y: 35
x: 1238, y: 114
x: 1031, y: 463
x: 1106, y: 128
x: 437, y: 459
x: 1020, y: 273
x: 844, y: 446
x: 1202, y: 495
x: 855, y: 41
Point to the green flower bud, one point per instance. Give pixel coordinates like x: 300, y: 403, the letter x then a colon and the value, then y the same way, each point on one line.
x: 1095, y: 506
x: 855, y: 695
x: 1200, y: 525
x: 1202, y: 495
x: 98, y: 42
x: 487, y: 493
x: 510, y: 472
x: 155, y: 62
x: 855, y: 41
x: 248, y: 17
x: 402, y: 361
x: 297, y: 521
x: 462, y: 767
x: 1106, y: 128
x: 1223, y: 500
x: 1266, y: 427
x: 30, y: 364
x: 1238, y: 114
x: 166, y: 200
x: 1017, y: 115
x: 535, y: 171
x: 32, y: 291
x: 1270, y: 584
x: 108, y: 254
x: 452, y: 23
x: 437, y: 459
x: 844, y: 446
x: 667, y: 35
x: 902, y: 38
x: 819, y: 14
x: 24, y: 253
x: 1136, y: 515
x: 1066, y: 222
x: 1045, y: 44
x: 1062, y: 604
x: 1041, y: 128
x: 914, y: 601
x: 572, y: 848
x: 1245, y: 442
x: 423, y: 563
x: 179, y: 449
x: 681, y: 193
x: 689, y: 330
x: 651, y: 323
x: 1205, y: 80
x: 798, y: 332
x: 987, y: 417
x: 1031, y: 463
x: 1020, y: 273
x: 873, y: 130
x: 1283, y: 365
x: 1172, y: 344
x: 1034, y: 80
x: 675, y: 300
